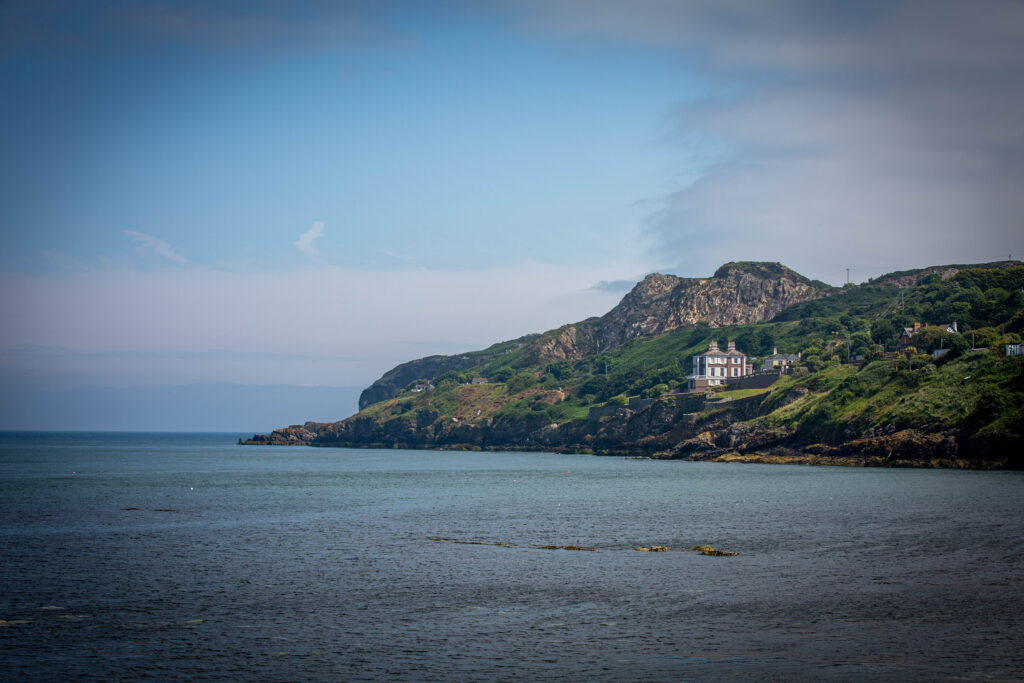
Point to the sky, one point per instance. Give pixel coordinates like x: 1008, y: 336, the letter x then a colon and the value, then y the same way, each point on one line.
x: 206, y: 202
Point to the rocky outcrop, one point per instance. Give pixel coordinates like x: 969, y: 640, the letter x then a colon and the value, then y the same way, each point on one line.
x: 736, y: 294
x: 295, y: 435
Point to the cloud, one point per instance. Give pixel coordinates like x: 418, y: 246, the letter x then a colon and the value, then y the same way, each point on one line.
x: 613, y: 286
x: 398, y: 257
x: 148, y: 244
x: 875, y: 135
x: 305, y: 241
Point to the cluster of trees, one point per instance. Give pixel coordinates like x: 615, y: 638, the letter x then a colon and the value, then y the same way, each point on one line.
x: 973, y: 298
x: 631, y: 381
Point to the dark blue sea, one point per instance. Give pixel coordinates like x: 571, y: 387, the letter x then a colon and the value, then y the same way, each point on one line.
x: 185, y: 556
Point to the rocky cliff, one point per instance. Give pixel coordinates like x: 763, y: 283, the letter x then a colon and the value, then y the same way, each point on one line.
x: 738, y: 293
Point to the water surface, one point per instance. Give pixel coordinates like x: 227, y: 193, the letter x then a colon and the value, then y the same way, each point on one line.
x: 181, y: 556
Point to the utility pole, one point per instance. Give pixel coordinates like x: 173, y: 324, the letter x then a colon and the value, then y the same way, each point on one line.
x: 847, y: 276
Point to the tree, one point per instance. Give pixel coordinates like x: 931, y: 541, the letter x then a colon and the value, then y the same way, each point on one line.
x: 523, y: 380
x: 655, y: 391
x: 503, y: 375
x: 765, y: 342
x: 860, y: 343
x: 884, y: 331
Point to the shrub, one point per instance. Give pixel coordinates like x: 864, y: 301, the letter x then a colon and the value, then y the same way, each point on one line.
x: 655, y: 391
x: 523, y: 380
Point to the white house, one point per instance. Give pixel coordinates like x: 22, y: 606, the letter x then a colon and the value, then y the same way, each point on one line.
x: 715, y: 367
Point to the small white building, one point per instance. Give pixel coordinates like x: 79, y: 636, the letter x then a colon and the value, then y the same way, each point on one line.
x: 715, y: 367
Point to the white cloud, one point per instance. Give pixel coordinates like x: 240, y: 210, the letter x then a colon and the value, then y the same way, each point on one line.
x: 305, y: 241
x: 148, y: 244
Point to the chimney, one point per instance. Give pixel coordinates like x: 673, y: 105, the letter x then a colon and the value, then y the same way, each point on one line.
x: 732, y: 346
x: 917, y: 326
x: 713, y: 346
x: 775, y: 350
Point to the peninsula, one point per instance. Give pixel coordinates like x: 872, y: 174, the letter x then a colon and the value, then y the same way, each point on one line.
x: 756, y: 363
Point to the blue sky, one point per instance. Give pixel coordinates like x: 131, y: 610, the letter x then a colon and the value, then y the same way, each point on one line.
x: 307, y: 193
x: 453, y: 140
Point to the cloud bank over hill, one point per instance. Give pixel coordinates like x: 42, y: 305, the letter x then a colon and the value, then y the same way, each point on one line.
x: 874, y: 135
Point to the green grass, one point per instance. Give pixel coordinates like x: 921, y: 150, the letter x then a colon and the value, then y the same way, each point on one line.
x: 741, y: 393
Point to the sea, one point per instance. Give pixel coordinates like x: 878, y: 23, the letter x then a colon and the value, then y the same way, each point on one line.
x: 188, y: 557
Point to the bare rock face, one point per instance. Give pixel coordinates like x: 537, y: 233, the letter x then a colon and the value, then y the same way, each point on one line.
x: 561, y: 345
x: 737, y: 293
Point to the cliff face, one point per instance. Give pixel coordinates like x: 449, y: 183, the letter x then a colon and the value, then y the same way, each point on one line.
x: 736, y: 294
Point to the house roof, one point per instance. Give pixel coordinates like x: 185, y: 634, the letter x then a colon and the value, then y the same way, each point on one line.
x: 783, y: 356
x: 713, y: 350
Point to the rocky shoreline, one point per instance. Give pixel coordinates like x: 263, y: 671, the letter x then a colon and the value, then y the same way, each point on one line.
x: 727, y: 433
